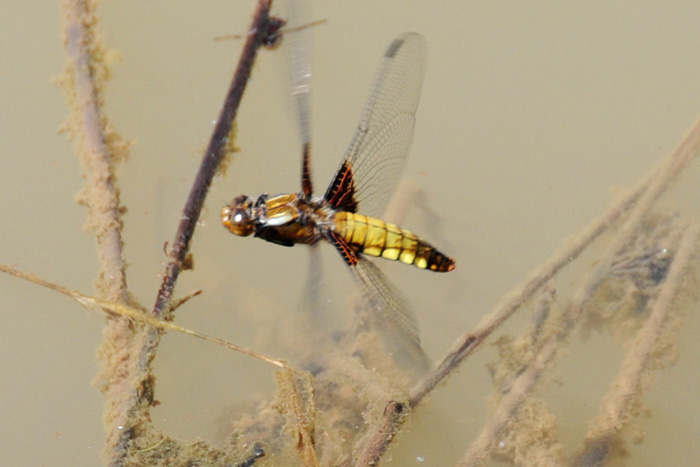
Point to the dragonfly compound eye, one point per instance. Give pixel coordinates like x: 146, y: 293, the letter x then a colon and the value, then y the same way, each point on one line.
x: 238, y: 216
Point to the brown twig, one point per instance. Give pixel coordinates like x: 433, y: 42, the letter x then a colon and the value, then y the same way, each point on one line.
x: 213, y: 156
x: 378, y: 436
x: 216, y: 150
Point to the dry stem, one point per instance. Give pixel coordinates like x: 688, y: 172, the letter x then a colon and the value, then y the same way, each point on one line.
x: 139, y: 316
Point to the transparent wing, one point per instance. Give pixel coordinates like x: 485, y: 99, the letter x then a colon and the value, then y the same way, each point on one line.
x: 300, y: 51
x: 298, y: 42
x: 385, y: 301
x: 377, y: 152
x: 392, y: 315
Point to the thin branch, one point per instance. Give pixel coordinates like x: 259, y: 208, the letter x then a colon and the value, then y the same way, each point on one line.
x: 379, y: 435
x: 218, y: 144
x: 140, y: 316
x: 216, y: 150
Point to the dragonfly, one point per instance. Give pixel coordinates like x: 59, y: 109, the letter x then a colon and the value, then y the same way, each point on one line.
x: 348, y: 215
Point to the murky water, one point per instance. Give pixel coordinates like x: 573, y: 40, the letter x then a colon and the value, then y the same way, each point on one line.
x: 530, y: 119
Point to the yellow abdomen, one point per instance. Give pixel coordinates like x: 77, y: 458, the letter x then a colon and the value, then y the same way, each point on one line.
x: 375, y: 237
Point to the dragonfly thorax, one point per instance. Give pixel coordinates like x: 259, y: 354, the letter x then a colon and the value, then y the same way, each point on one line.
x: 284, y: 219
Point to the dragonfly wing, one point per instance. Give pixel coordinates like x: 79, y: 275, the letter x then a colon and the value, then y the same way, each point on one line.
x: 299, y: 44
x: 373, y: 163
x: 392, y: 316
x: 382, y: 299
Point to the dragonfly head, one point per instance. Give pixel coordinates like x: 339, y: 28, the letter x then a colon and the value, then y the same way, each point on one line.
x: 238, y: 216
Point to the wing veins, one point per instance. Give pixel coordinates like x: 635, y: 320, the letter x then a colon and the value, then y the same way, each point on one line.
x: 378, y: 149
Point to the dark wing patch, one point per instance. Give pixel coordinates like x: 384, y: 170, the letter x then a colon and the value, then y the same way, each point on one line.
x: 306, y: 184
x: 341, y: 192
